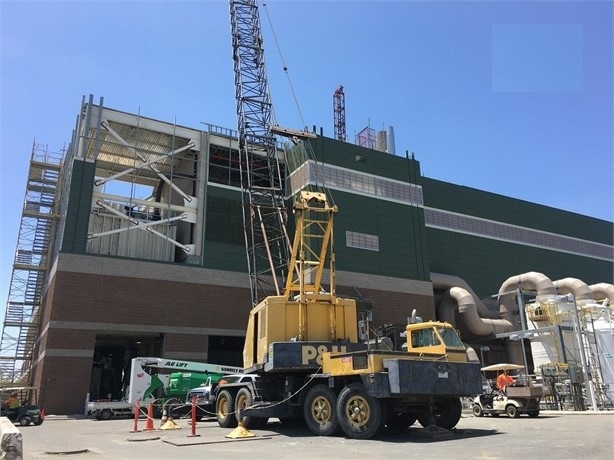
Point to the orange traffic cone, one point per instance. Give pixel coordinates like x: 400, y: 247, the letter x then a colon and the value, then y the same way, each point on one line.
x: 149, y: 426
x: 42, y: 414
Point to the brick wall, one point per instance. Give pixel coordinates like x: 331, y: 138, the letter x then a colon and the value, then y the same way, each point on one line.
x: 153, y: 299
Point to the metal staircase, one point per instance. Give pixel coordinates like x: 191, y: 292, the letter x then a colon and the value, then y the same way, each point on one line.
x: 592, y: 349
x: 32, y: 259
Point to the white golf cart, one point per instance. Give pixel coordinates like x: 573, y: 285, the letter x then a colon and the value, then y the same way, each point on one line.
x: 521, y: 398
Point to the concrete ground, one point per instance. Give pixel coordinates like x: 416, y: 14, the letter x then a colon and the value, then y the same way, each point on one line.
x: 553, y: 435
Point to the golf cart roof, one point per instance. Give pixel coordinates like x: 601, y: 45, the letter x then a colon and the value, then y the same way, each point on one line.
x: 10, y: 389
x: 502, y: 367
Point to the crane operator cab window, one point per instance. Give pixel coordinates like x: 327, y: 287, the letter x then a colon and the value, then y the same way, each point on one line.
x: 450, y: 338
x: 424, y: 338
x: 439, y: 339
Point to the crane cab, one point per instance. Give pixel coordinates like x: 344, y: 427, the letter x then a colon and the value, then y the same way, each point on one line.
x: 433, y: 338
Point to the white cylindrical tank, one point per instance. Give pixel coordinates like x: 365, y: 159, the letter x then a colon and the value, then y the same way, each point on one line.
x: 390, y: 140
x: 380, y: 141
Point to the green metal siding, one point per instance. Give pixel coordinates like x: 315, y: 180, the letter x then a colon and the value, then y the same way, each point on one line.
x: 374, y: 162
x: 466, y: 200
x: 224, y: 239
x: 224, y: 221
x: 223, y: 256
x: 78, y: 207
x: 485, y: 264
x: 401, y: 254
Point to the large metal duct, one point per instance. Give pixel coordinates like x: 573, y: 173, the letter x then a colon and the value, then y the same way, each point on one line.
x: 574, y: 286
x: 472, y: 356
x: 445, y: 282
x: 508, y: 306
x: 468, y: 311
x: 603, y: 291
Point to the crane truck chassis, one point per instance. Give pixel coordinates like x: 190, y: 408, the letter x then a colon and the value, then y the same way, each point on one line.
x: 363, y: 391
x: 303, y: 347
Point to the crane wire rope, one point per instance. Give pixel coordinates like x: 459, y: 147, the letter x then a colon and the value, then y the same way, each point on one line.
x: 319, y: 168
x: 283, y: 63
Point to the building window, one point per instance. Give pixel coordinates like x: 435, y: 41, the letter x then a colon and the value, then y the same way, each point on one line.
x: 470, y: 225
x: 361, y: 241
x: 225, y: 168
x: 359, y: 183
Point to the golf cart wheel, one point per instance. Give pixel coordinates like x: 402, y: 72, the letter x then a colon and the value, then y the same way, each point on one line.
x: 477, y: 410
x: 512, y: 411
x: 25, y: 421
x: 534, y: 413
x: 39, y: 421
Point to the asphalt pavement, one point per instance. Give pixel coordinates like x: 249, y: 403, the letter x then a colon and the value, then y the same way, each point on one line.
x: 552, y: 435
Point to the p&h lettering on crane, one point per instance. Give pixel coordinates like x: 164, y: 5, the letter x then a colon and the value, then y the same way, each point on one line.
x: 310, y: 353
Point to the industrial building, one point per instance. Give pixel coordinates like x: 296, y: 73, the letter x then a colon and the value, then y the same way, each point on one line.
x: 131, y: 244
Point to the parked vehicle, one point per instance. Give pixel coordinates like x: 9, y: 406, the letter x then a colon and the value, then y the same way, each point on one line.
x: 308, y: 362
x: 20, y: 405
x: 521, y: 398
x: 206, y: 394
x: 163, y: 382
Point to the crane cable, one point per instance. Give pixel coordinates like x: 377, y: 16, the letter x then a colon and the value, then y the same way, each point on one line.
x: 309, y: 150
x: 285, y: 67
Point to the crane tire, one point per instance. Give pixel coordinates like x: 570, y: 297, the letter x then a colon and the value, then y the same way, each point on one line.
x: 320, y: 411
x: 360, y: 416
x: 224, y: 409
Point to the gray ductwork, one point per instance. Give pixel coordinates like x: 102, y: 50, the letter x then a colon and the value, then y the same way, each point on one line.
x: 603, y: 291
x: 468, y: 311
x: 444, y: 282
x: 574, y: 286
x: 472, y: 356
x: 481, y: 321
x: 508, y: 306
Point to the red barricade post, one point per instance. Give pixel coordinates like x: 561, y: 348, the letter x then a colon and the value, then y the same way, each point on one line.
x: 137, y: 410
x: 193, y: 418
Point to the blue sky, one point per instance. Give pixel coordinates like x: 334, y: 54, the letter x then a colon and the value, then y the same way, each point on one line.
x: 509, y: 97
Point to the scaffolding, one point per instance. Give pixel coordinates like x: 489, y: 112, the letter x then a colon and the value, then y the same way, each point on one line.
x: 32, y: 259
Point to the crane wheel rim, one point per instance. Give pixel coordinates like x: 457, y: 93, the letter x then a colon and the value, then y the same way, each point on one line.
x: 223, y: 408
x: 358, y: 411
x: 321, y: 410
x: 242, y: 401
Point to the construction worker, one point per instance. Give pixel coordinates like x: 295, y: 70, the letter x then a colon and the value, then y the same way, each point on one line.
x: 13, y: 401
x: 504, y: 380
